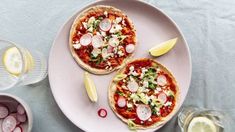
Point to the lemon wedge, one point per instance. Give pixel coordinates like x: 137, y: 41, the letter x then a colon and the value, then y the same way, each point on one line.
x: 163, y: 47
x: 201, y: 124
x: 90, y: 87
x: 12, y: 60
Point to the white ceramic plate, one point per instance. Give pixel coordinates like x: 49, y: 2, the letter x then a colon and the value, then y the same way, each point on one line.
x: 66, y: 77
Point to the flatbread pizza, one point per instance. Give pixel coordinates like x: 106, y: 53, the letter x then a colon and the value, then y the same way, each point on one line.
x: 144, y: 94
x: 102, y: 39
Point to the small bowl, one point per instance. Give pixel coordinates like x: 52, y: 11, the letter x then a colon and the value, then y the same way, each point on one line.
x: 12, y: 102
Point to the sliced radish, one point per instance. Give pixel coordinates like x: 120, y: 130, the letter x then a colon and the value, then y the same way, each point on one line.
x: 130, y: 48
x: 143, y: 112
x: 161, y: 80
x: 113, y: 41
x: 133, y: 86
x: 15, y: 116
x: 3, y: 111
x: 9, y: 124
x: 102, y: 113
x: 121, y: 102
x: 85, y: 39
x: 105, y: 24
x: 162, y: 97
x: 97, y: 41
x: 18, y: 129
x: 20, y: 109
x: 21, y: 118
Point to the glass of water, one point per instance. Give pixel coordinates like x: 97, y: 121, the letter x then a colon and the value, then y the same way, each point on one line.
x: 194, y: 119
x: 19, y: 66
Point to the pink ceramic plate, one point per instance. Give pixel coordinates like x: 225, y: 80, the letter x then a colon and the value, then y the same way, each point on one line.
x: 66, y: 77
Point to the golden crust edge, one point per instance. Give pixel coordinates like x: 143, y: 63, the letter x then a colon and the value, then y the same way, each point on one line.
x: 112, y: 89
x: 73, y: 30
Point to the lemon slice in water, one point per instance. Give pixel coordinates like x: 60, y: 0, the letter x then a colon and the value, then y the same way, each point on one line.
x: 201, y: 124
x: 90, y: 87
x: 163, y: 47
x: 12, y: 60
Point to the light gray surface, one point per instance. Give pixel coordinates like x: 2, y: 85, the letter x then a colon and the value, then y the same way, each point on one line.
x: 209, y: 28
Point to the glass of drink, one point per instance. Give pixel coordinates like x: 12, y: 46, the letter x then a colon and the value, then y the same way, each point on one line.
x: 194, y: 119
x: 19, y: 66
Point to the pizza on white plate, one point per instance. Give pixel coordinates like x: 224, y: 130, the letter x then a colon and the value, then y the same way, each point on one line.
x: 102, y: 39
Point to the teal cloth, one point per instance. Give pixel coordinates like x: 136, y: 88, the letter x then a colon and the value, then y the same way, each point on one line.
x: 209, y: 28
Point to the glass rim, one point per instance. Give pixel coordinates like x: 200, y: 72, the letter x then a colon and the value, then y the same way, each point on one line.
x: 20, y: 49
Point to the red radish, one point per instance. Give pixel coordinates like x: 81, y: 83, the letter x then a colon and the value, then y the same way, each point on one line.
x: 133, y: 86
x: 130, y: 48
x: 102, y: 113
x: 15, y: 115
x: 18, y: 129
x: 113, y: 41
x: 121, y: 102
x: 1, y: 120
x: 3, y: 111
x: 85, y: 39
x: 20, y: 109
x: 9, y: 124
x: 105, y: 25
x: 143, y: 112
x: 97, y: 41
x: 162, y: 97
x: 161, y: 80
x: 21, y: 118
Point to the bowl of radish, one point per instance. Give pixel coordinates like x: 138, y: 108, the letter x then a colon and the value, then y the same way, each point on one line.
x: 15, y: 114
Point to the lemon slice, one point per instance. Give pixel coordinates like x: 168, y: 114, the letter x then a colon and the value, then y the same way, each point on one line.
x: 90, y: 87
x: 12, y: 60
x: 163, y: 47
x: 201, y: 124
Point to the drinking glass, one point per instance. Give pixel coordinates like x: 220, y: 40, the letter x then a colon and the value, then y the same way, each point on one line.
x: 20, y: 66
x: 190, y: 115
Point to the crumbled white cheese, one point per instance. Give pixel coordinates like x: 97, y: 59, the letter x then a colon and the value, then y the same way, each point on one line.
x: 103, y: 33
x: 132, y: 68
x: 129, y: 105
x: 150, y: 119
x: 84, y: 25
x: 106, y: 13
x: 95, y: 52
x: 158, y: 70
x: 117, y: 20
x: 76, y: 46
x: 90, y: 29
x: 115, y: 28
x: 107, y: 67
x: 168, y: 103
x: 110, y: 68
x: 156, y: 92
x: 120, y: 53
x: 109, y: 64
x: 158, y: 89
x: 98, y: 33
x: 134, y: 73
x: 124, y: 87
x: 123, y: 22
x: 146, y: 90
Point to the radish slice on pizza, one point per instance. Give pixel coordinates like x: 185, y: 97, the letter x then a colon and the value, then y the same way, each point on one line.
x: 146, y: 97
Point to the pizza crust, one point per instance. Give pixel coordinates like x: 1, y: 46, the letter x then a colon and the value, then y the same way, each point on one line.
x: 112, y: 90
x: 76, y: 23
